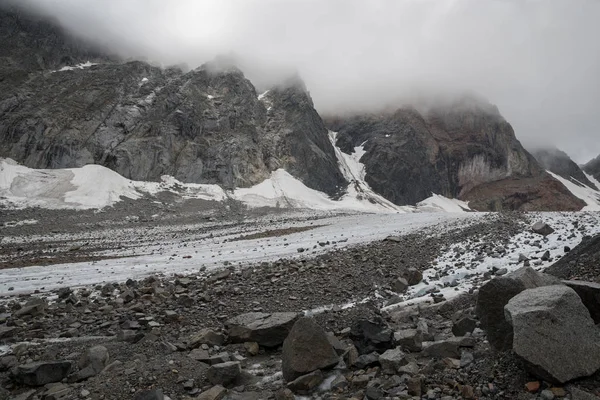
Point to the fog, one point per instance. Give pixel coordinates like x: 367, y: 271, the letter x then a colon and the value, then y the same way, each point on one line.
x: 537, y: 60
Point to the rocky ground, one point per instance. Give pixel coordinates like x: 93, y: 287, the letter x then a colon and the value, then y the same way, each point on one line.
x: 374, y: 337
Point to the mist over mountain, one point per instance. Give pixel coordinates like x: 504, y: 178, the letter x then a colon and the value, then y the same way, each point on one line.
x: 531, y: 58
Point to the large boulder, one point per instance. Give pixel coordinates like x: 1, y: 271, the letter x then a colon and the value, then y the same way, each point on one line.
x: 42, y: 373
x: 496, y: 293
x: 589, y: 292
x: 92, y: 362
x: 554, y: 333
x: 306, y: 349
x: 269, y: 330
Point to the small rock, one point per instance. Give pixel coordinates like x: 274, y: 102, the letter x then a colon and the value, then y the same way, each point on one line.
x: 306, y: 383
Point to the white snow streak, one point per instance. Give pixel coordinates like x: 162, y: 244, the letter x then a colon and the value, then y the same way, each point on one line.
x: 590, y: 196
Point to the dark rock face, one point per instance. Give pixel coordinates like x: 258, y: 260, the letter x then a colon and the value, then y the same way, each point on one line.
x: 204, y: 126
x: 581, y: 263
x: 561, y: 164
x: 593, y: 167
x: 22, y: 32
x: 461, y: 149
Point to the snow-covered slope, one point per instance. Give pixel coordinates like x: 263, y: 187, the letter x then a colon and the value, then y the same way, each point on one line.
x: 589, y: 195
x: 88, y: 187
x: 94, y: 186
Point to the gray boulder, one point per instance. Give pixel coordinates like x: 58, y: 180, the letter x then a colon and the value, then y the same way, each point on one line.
x: 269, y: 330
x: 392, y: 360
x: 225, y: 373
x: 496, y: 293
x: 91, y: 363
x: 42, y: 373
x: 554, y: 333
x: 542, y: 228
x: 409, y: 339
x: 306, y: 349
x: 589, y: 293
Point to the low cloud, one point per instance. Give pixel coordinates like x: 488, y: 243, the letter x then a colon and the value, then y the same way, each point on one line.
x: 536, y: 59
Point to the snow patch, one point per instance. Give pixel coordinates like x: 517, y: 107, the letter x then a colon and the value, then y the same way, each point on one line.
x: 78, y: 66
x: 441, y: 203
x: 12, y: 224
x: 590, y: 196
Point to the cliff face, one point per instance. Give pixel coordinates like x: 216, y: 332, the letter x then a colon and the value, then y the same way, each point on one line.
x: 561, y: 164
x: 204, y: 126
x: 593, y: 168
x: 463, y: 149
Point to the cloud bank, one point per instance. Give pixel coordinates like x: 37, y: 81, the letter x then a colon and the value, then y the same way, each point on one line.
x: 538, y: 60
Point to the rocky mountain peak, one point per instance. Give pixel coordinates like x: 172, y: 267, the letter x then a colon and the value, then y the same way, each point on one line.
x: 559, y: 162
x: 450, y: 147
x: 593, y: 167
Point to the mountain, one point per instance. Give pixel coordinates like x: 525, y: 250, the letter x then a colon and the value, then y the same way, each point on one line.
x: 204, y: 126
x: 558, y: 162
x: 462, y: 148
x: 65, y: 104
x: 593, y: 168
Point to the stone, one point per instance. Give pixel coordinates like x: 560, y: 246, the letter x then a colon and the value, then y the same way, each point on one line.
x: 306, y: 383
x: 547, y: 395
x: 450, y: 348
x: 269, y: 330
x: 252, y: 348
x: 219, y: 358
x: 399, y: 285
x: 206, y: 336
x: 371, y: 335
x: 217, y: 392
x: 589, y: 293
x: 542, y: 228
x: 463, y: 326
x: 153, y: 394
x: 34, y: 307
x: 373, y: 393
x: 306, y: 349
x: 532, y: 387
x: 414, y: 386
x: 366, y: 360
x: 94, y: 360
x: 496, y: 293
x: 579, y: 394
x: 392, y: 360
x: 409, y: 339
x: 413, y: 276
x: 225, y: 373
x: 42, y: 373
x: 467, y: 392
x: 200, y: 355
x: 284, y: 394
x: 554, y: 333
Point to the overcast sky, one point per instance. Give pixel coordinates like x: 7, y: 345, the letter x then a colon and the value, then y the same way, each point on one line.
x: 538, y: 60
